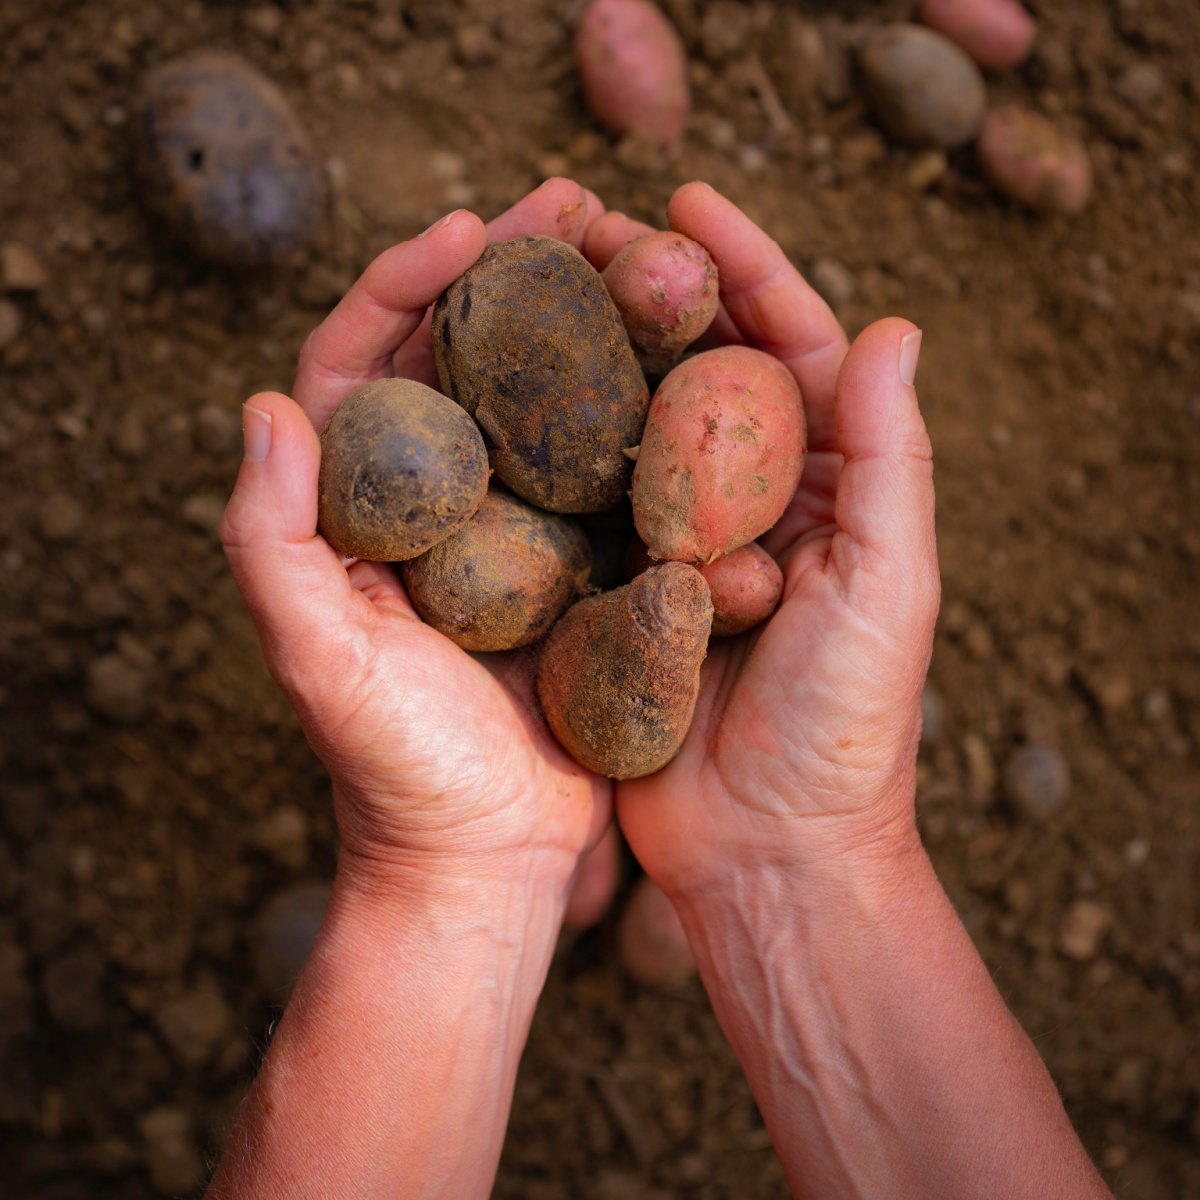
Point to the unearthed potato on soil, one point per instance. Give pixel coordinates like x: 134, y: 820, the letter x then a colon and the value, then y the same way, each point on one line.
x: 745, y: 585
x: 1033, y: 162
x: 503, y: 579
x: 721, y: 454
x: 402, y: 468
x: 620, y: 672
x: 226, y: 163
x: 530, y: 344
x: 633, y: 69
x: 997, y: 34
x: 665, y: 288
x: 651, y: 943
x: 923, y: 88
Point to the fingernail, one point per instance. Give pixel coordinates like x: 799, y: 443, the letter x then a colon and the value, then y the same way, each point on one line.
x: 439, y: 223
x: 910, y: 351
x: 256, y: 433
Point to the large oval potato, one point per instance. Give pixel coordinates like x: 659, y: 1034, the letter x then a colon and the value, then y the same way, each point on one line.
x: 503, y: 579
x: 1033, y: 162
x: 530, y: 344
x: 923, y: 88
x: 633, y: 69
x: 620, y: 672
x: 402, y: 467
x: 721, y: 454
x: 225, y: 161
x: 997, y: 34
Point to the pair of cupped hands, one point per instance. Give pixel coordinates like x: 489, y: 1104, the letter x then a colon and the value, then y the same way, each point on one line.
x: 802, y: 752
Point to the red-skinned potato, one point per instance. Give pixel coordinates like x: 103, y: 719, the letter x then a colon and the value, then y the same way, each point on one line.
x: 651, y: 943
x: 997, y: 34
x: 745, y: 585
x: 665, y: 288
x: 721, y: 455
x: 633, y: 69
x: 1033, y: 162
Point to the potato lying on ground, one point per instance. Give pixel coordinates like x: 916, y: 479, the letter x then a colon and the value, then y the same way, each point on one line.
x: 923, y: 88
x: 651, y: 943
x: 997, y: 34
x: 503, y: 579
x: 225, y: 161
x: 402, y: 467
x: 633, y: 69
x: 530, y: 344
x: 745, y: 585
x: 1033, y: 162
x: 721, y: 454
x: 620, y: 672
x: 665, y: 288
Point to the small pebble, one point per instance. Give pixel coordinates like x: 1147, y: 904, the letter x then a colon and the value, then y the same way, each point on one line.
x: 172, y: 1158
x: 1141, y: 85
x: 218, y: 429
x: 1036, y: 781
x: 129, y: 437
x: 61, y: 518
x: 193, y: 1024
x: 833, y: 281
x: 926, y: 169
x: 283, y: 834
x: 1083, y: 927
x: 117, y: 689
x: 20, y: 269
x: 204, y: 511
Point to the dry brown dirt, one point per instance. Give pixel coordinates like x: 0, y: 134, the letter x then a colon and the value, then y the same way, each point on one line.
x: 155, y: 790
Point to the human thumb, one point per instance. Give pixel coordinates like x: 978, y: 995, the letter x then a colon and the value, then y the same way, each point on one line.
x: 292, y: 581
x: 885, y: 502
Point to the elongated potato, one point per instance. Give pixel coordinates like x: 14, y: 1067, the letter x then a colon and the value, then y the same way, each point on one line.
x: 402, y: 467
x: 503, y: 579
x: 1033, y: 162
x: 720, y: 457
x: 665, y: 288
x: 620, y: 672
x: 633, y: 69
x: 997, y: 34
x: 529, y: 342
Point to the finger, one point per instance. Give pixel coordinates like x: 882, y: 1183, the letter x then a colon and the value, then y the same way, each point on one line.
x: 380, y: 584
x: 884, y: 508
x: 291, y: 579
x: 595, y: 206
x: 767, y: 299
x: 356, y: 342
x: 596, y: 880
x: 612, y: 232
x: 558, y: 208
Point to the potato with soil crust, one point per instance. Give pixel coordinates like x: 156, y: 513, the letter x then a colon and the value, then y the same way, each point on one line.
x: 997, y: 34
x: 503, y: 579
x: 1033, y: 162
x: 634, y: 70
x: 721, y: 455
x: 923, y: 88
x: 665, y: 288
x: 620, y: 672
x: 530, y: 344
x: 745, y: 585
x: 402, y: 468
x: 225, y: 161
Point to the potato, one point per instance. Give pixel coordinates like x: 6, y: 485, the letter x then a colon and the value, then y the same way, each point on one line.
x: 529, y: 343
x: 721, y: 455
x: 402, y: 467
x: 620, y: 672
x: 745, y: 585
x: 633, y: 70
x: 1033, y: 162
x: 651, y: 942
x: 923, y: 88
x: 225, y: 161
x: 997, y: 34
x: 503, y: 579
x: 665, y: 288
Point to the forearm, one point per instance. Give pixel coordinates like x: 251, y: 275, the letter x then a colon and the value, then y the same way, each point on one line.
x: 392, y: 1071
x: 883, y: 1059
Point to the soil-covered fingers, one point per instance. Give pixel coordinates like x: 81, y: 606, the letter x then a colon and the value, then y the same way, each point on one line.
x: 772, y: 306
x: 355, y: 343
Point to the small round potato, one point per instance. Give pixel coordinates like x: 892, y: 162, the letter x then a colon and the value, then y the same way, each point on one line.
x: 923, y: 88
x: 225, y: 161
x: 402, y: 468
x: 1033, y: 162
x: 503, y: 579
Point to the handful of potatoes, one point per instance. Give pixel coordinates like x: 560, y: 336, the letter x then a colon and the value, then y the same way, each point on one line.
x: 485, y: 493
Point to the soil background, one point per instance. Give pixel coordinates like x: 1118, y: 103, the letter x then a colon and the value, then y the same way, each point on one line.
x: 156, y: 790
